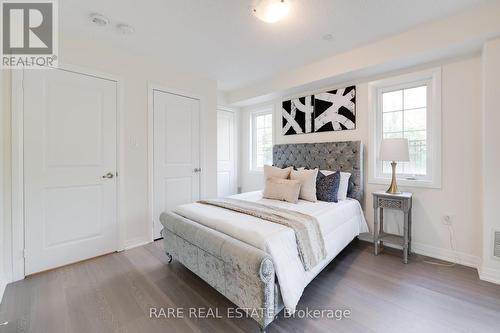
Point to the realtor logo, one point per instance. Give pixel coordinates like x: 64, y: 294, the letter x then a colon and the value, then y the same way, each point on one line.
x: 29, y: 34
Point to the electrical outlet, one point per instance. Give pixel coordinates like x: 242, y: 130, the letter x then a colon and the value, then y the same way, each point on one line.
x: 448, y: 219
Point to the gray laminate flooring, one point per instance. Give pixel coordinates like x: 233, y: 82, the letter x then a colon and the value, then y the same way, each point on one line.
x: 114, y: 293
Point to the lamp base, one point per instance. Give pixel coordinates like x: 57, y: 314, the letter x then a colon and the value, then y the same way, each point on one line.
x: 393, y: 189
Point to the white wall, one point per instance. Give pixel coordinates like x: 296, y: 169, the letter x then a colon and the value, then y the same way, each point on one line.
x: 490, y: 269
x: 460, y: 195
x: 135, y: 72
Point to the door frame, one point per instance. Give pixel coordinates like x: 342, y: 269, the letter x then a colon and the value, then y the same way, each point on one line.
x: 4, y: 250
x: 236, y: 138
x: 152, y: 87
x: 18, y: 222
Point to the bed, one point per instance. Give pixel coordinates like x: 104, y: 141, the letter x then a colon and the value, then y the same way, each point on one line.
x: 253, y: 262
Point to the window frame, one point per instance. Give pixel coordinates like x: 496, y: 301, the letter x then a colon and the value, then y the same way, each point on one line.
x: 253, y: 140
x: 431, y: 78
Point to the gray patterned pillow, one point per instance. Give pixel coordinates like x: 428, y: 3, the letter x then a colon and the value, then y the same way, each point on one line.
x: 327, y: 187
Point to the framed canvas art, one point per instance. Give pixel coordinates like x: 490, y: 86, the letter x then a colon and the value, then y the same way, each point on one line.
x: 335, y: 110
x: 298, y: 115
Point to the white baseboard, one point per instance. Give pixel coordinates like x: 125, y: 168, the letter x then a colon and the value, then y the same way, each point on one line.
x: 3, y: 285
x: 486, y: 274
x: 489, y: 274
x: 435, y: 252
x: 447, y: 255
x: 366, y: 237
x: 132, y: 243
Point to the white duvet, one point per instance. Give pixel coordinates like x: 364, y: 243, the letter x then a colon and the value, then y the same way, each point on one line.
x: 339, y: 223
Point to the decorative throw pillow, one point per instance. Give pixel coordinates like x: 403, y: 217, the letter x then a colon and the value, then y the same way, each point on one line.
x: 282, y: 189
x: 344, y: 183
x: 307, y: 179
x: 275, y: 172
x: 327, y: 187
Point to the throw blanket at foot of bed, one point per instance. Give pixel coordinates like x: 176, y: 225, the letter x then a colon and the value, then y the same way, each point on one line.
x: 310, y: 242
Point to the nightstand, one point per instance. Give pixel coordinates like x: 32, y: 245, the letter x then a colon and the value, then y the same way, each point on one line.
x: 403, y: 202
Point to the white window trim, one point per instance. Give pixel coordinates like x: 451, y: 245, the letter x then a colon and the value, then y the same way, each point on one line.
x: 252, y: 156
x: 432, y: 77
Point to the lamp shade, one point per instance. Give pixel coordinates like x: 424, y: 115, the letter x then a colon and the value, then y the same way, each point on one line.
x: 394, y: 150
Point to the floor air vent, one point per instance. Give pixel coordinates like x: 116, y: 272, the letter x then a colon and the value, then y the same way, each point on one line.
x: 496, y: 246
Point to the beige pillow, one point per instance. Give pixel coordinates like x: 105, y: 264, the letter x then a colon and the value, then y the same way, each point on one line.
x: 307, y: 180
x: 282, y: 189
x: 274, y: 172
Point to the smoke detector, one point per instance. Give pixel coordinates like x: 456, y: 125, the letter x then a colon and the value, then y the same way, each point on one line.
x: 98, y: 19
x: 327, y: 37
x: 125, y: 29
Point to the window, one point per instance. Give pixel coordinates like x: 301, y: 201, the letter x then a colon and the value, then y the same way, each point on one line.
x: 408, y: 107
x: 404, y: 113
x: 261, y: 139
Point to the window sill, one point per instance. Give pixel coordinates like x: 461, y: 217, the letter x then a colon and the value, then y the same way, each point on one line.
x: 407, y: 183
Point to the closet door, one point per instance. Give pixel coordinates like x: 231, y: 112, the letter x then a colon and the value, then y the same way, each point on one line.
x: 176, y: 143
x: 226, y: 155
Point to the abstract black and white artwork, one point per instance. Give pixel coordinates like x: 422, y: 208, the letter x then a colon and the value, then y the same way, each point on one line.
x: 335, y: 110
x: 298, y: 115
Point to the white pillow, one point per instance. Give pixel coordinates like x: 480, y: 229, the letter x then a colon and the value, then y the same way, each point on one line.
x: 274, y: 172
x: 307, y: 179
x: 344, y: 183
x: 282, y: 189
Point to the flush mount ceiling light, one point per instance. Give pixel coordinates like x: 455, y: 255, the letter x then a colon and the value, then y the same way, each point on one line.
x: 271, y: 11
x: 99, y: 19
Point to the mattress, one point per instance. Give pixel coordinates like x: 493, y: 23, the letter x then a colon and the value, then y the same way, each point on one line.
x: 339, y: 223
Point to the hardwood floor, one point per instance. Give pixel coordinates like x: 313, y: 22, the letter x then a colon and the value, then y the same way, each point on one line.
x: 114, y: 293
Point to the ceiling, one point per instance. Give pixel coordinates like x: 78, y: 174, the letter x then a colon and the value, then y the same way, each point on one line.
x: 221, y: 40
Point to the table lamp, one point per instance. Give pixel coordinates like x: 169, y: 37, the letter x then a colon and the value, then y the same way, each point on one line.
x: 394, y: 150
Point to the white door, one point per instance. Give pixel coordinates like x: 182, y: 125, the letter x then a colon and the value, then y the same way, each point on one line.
x: 69, y: 167
x: 176, y: 149
x: 226, y: 159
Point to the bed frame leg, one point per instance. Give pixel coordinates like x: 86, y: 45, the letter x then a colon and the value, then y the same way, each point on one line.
x: 169, y: 256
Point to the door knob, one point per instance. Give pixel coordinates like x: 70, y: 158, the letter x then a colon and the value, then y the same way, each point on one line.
x: 109, y: 175
x: 197, y: 170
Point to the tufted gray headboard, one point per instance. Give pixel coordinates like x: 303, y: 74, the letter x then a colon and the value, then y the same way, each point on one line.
x: 345, y: 156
